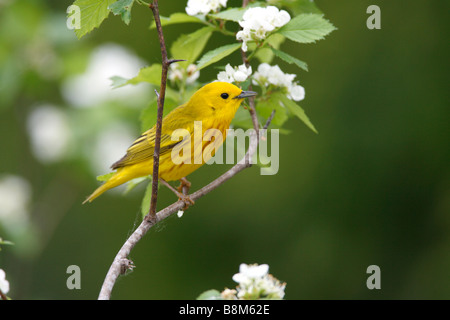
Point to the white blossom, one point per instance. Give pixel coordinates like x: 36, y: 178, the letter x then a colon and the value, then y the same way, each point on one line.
x: 229, y: 294
x: 272, y: 75
x: 49, y: 132
x: 236, y: 74
x: 192, y: 73
x: 296, y: 92
x: 109, y: 145
x: 180, y: 213
x: 204, y: 7
x: 93, y: 87
x: 15, y: 198
x: 257, y: 22
x: 255, y: 282
x: 177, y: 73
x: 247, y: 273
x: 4, y: 284
x: 174, y: 73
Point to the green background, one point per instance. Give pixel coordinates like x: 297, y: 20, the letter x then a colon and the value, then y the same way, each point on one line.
x: 372, y: 188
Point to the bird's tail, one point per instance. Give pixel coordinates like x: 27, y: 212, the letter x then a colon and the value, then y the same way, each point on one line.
x: 121, y: 176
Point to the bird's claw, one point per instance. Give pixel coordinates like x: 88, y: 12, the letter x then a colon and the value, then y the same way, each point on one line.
x: 187, y: 201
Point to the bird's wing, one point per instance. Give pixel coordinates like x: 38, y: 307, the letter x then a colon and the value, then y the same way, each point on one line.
x: 143, y: 148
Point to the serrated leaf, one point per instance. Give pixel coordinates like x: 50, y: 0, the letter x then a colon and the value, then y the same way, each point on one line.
x: 298, y: 111
x: 290, y: 59
x: 122, y: 8
x: 210, y: 295
x: 307, y: 28
x: 176, y: 18
x: 151, y: 74
x: 234, y: 14
x: 189, y: 46
x: 92, y: 14
x: 217, y: 54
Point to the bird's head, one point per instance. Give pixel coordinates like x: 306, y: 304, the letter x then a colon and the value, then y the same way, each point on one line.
x: 219, y: 99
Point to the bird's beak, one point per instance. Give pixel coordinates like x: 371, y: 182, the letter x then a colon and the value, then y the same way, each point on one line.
x: 246, y: 94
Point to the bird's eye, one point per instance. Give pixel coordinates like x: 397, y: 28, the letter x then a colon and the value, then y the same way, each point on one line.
x: 224, y: 95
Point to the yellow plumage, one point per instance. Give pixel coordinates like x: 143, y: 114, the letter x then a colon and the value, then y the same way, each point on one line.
x: 214, y: 106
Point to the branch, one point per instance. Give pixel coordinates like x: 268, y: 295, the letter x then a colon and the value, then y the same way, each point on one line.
x: 121, y: 258
x: 161, y: 96
x: 121, y: 263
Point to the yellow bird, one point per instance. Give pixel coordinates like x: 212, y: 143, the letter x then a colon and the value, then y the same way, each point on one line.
x: 212, y: 107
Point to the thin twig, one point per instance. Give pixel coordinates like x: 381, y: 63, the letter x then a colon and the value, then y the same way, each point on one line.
x: 251, y: 102
x: 161, y: 96
x: 269, y: 120
x: 246, y: 61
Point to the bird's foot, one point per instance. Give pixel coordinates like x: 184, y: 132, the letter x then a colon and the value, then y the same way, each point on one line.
x: 185, y: 185
x: 181, y: 191
x: 187, y: 201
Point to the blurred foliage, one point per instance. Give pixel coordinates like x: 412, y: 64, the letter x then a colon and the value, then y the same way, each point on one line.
x: 372, y: 188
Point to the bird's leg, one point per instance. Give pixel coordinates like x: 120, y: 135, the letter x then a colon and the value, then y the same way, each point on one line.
x: 182, y: 196
x: 185, y: 185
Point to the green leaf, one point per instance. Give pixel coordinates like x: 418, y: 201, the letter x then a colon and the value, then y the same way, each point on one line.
x: 151, y: 74
x: 92, y: 14
x: 298, y: 111
x: 5, y: 242
x: 189, y: 46
x: 134, y: 183
x: 122, y: 8
x: 176, y: 18
x: 265, y: 53
x: 210, y: 295
x: 266, y: 106
x: 290, y: 59
x: 234, y: 14
x: 301, y: 6
x: 149, y: 114
x: 307, y: 28
x: 118, y: 81
x: 242, y: 119
x: 217, y: 54
x: 145, y: 205
x: 105, y: 177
